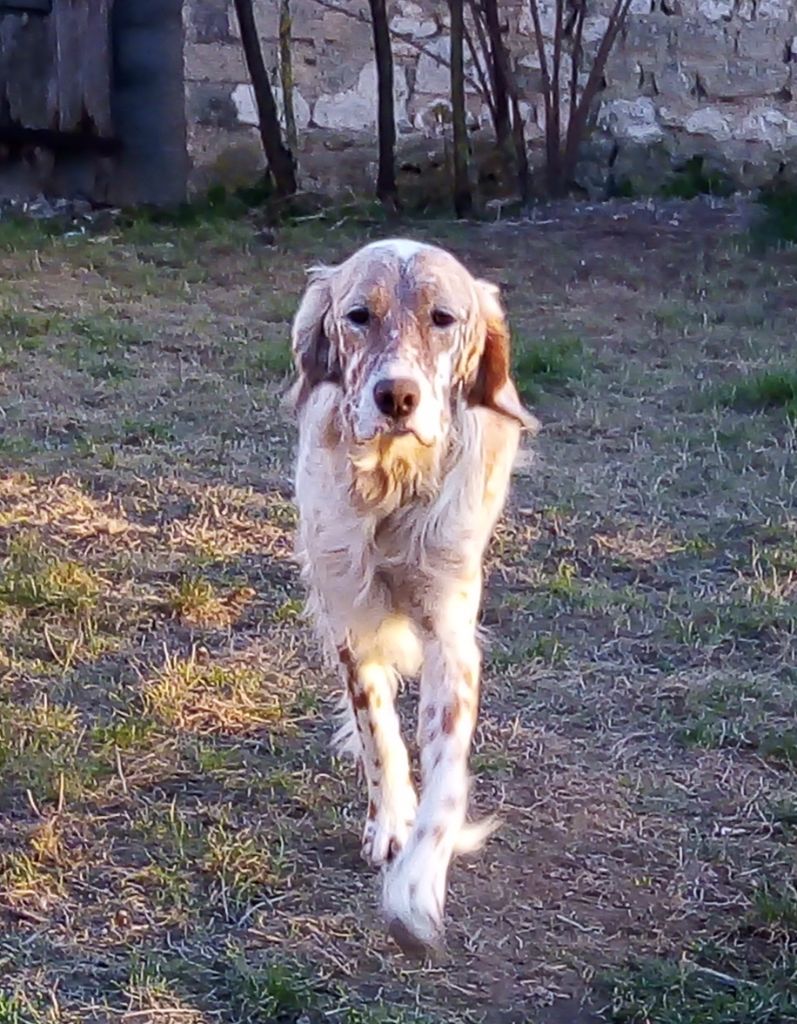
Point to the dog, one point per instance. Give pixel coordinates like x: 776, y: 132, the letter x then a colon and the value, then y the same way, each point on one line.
x: 409, y: 424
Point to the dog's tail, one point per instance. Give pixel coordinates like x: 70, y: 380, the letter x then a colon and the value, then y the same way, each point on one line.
x: 474, y: 834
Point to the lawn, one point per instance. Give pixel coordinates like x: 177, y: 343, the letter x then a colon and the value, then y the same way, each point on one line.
x: 177, y: 843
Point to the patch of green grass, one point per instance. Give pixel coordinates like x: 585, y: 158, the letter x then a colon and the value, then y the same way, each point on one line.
x: 271, y: 359
x: 242, y: 866
x: 12, y: 1010
x: 26, y: 326
x: 43, y: 748
x: 770, y: 389
x: 775, y: 906
x: 778, y: 223
x: 33, y: 579
x: 492, y: 762
x: 23, y: 234
x: 743, y: 714
x: 106, y: 331
x: 660, y: 992
x: 140, y: 433
x: 547, y: 648
x: 290, y: 610
x: 784, y: 817
x: 18, y: 447
x: 275, y: 993
x: 211, y: 697
x: 756, y: 620
x: 693, y: 179
x: 194, y: 600
x: 548, y: 363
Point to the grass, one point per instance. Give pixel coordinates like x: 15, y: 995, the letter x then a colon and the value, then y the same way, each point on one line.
x: 276, y: 992
x: 666, y: 993
x: 693, y: 179
x: 769, y: 389
x: 176, y: 840
x: 12, y: 1010
x: 548, y: 363
x: 751, y: 715
x: 34, y: 580
x: 778, y: 222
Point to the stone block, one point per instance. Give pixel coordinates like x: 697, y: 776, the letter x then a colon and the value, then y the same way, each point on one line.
x: 765, y: 124
x: 210, y: 105
x: 779, y: 10
x: 674, y: 80
x: 700, y: 40
x: 413, y: 27
x: 715, y: 10
x: 209, y: 21
x: 740, y: 79
x: 355, y: 109
x: 650, y: 35
x: 432, y: 74
x: 214, y: 62
x: 243, y: 96
x: 764, y: 40
x: 635, y: 120
x: 710, y: 121
x: 643, y: 167
x: 622, y: 71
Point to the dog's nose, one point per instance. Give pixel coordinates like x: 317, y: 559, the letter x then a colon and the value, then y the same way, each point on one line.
x: 397, y: 398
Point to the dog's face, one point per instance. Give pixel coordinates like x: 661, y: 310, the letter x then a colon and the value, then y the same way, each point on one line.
x: 406, y: 332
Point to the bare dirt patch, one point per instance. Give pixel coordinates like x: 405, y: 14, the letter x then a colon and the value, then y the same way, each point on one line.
x: 175, y: 841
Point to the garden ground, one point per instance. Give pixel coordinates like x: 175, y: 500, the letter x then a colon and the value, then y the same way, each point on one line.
x: 176, y: 842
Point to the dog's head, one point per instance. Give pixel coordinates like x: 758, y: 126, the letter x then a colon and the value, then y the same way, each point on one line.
x: 407, y: 333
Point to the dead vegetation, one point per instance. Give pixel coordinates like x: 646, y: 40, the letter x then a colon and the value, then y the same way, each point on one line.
x: 175, y: 841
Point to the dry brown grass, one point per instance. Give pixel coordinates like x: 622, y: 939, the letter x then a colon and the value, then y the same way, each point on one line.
x: 175, y: 842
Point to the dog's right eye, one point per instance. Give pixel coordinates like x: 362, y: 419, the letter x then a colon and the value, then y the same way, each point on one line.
x: 359, y: 315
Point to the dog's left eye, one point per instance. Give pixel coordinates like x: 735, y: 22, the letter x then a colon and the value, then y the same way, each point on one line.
x: 442, y: 319
x: 359, y: 315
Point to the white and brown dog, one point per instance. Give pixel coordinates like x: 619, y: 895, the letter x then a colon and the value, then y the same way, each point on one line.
x: 408, y: 429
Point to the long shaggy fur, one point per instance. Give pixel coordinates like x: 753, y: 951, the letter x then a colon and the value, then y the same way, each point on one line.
x: 393, y: 524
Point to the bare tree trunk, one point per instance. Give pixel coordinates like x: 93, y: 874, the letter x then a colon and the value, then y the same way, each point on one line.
x: 579, y: 113
x: 561, y: 155
x: 286, y: 75
x: 463, y: 199
x: 496, y: 55
x: 386, y: 188
x: 551, y: 138
x: 521, y: 153
x: 499, y: 79
x: 556, y: 185
x: 280, y: 161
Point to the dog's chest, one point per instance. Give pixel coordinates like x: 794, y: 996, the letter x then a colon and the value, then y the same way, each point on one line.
x: 411, y: 555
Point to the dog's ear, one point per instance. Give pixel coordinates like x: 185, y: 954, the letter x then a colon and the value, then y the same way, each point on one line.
x: 315, y: 356
x: 492, y: 384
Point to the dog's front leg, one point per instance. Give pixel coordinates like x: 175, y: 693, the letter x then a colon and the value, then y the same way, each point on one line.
x: 415, y: 884
x: 392, y: 802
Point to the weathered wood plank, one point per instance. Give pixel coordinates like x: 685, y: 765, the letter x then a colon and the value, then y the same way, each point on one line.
x: 55, y: 70
x: 27, y: 53
x: 83, y: 71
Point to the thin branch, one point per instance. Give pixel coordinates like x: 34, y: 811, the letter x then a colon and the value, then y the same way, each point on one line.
x: 485, y: 88
x: 575, y: 55
x: 404, y: 37
x: 578, y: 117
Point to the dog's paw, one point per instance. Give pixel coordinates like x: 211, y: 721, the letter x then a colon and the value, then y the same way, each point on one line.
x: 388, y: 827
x: 413, y: 895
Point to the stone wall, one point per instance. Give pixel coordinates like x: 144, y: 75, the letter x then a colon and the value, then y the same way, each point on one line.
x: 713, y: 78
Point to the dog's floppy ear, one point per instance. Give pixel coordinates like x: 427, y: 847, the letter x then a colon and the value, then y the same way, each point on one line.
x: 492, y: 385
x: 315, y: 356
